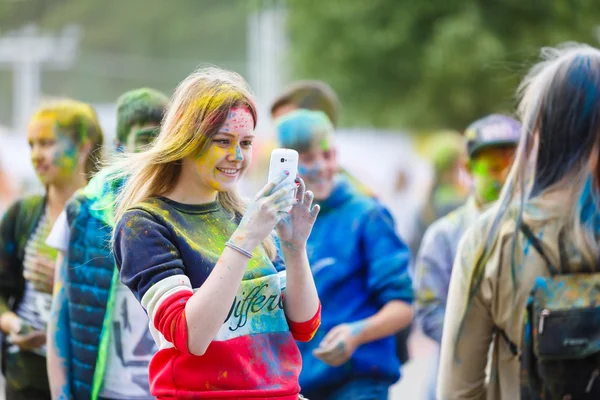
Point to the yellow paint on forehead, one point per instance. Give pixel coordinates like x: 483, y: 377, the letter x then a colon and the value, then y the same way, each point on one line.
x: 42, y: 127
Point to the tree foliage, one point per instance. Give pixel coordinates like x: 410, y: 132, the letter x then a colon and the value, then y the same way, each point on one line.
x: 131, y: 43
x: 429, y: 64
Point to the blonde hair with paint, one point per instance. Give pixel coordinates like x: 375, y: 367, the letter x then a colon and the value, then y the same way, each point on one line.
x: 198, y: 108
x: 80, y: 122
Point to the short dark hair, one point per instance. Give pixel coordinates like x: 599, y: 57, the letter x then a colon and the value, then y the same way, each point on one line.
x: 312, y: 95
x: 139, y: 107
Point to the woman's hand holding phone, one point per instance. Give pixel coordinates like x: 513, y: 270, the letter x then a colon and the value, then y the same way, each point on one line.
x: 264, y: 212
x: 295, y: 227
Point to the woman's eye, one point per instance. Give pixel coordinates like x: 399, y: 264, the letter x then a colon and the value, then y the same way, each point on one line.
x: 246, y: 143
x: 222, y: 141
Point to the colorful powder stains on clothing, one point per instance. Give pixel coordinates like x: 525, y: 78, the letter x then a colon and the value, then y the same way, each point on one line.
x: 180, y: 245
x: 499, y: 302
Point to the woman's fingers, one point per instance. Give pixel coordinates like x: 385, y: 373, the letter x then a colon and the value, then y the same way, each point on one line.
x: 281, y: 193
x: 266, y: 191
x: 329, y: 339
x: 315, y: 211
x: 301, y: 189
x: 285, y: 204
x: 308, y: 198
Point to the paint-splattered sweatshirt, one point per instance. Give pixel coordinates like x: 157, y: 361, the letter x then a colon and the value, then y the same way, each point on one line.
x: 359, y: 264
x: 165, y: 250
x: 433, y: 266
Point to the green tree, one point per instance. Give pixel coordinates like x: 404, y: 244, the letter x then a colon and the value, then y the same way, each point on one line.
x: 429, y: 64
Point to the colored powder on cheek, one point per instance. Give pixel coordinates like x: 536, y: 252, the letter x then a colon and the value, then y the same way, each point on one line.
x: 238, y: 153
x: 487, y: 187
x: 65, y: 157
x: 209, y: 158
x: 311, y: 173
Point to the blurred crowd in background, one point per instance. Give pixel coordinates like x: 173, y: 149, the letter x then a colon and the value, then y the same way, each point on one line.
x: 409, y: 77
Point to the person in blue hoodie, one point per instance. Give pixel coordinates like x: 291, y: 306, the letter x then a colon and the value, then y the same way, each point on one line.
x: 360, y: 267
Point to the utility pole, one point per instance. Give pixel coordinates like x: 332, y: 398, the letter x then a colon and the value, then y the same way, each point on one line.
x: 267, y: 47
x: 26, y: 52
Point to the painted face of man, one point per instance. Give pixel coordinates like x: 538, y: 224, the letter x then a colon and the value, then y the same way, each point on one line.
x: 54, y: 154
x: 317, y: 167
x: 140, y: 136
x: 489, y: 169
x: 220, y: 166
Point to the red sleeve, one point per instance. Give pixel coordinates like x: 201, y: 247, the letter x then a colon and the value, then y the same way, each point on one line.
x: 170, y: 320
x: 304, y: 331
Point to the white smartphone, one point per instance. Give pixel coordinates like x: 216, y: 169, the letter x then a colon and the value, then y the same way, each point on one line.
x: 283, y: 160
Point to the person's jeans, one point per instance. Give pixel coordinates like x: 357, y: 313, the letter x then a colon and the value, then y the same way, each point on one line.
x: 361, y: 389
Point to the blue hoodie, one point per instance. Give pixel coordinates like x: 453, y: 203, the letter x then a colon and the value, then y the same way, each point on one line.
x: 359, y: 264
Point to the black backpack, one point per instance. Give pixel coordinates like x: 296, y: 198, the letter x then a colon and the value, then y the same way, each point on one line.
x: 560, y: 354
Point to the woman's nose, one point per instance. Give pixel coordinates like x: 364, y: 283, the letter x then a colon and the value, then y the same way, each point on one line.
x: 236, y: 154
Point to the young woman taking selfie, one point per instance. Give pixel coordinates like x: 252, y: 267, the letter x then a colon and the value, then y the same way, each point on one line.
x: 225, y: 306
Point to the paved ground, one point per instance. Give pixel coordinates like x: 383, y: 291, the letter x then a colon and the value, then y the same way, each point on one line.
x: 415, y: 375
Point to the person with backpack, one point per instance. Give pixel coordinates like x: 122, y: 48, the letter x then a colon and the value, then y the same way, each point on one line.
x: 99, y: 344
x: 65, y: 140
x: 490, y: 143
x: 360, y: 267
x: 525, y: 279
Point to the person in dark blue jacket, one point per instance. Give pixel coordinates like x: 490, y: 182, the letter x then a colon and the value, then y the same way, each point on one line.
x: 360, y: 267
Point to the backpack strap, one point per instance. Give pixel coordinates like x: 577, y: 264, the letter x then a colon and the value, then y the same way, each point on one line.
x: 512, y: 346
x: 29, y: 213
x: 537, y: 245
